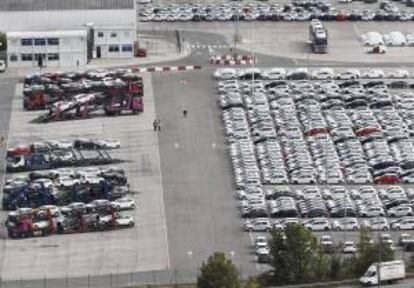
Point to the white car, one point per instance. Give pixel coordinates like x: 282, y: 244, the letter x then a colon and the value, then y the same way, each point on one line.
x: 410, y: 39
x: 42, y: 182
x: 399, y: 73
x: 349, y: 247
x: 345, y: 224
x: 66, y: 181
x: 406, y: 223
x: 61, y: 144
x: 371, y: 211
x: 372, y: 39
x: 395, y: 39
x: 124, y: 204
x: 107, y: 144
x: 323, y: 74
x: 373, y: 73
x: 257, y: 225
x: 2, y: 66
x: 260, y: 241
x: 318, y: 224
x: 400, y: 211
x: 309, y: 193
x: 91, y: 179
x: 124, y: 221
x: 54, y: 210
x: 225, y: 74
x: 348, y: 75
x: 274, y: 73
x: 377, y: 224
x: 84, y: 98
x: 88, y: 171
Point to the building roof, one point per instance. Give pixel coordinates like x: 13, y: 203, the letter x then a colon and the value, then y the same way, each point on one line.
x: 41, y: 5
x: 39, y: 34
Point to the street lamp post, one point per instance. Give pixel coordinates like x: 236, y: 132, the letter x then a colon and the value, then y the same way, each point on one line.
x: 190, y: 257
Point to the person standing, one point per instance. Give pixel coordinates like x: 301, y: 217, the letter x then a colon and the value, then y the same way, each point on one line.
x: 155, y: 124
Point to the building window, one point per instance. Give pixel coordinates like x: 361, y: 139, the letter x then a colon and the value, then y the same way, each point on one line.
x: 13, y: 58
x: 113, y: 34
x: 127, y: 48
x: 53, y: 57
x: 37, y: 56
x: 113, y: 48
x: 27, y: 57
x: 52, y: 41
x: 27, y: 42
x: 40, y: 41
x: 100, y: 34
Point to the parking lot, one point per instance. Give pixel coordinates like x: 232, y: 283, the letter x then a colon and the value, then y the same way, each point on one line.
x: 61, y: 255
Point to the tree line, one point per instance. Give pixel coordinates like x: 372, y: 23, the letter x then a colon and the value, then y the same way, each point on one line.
x: 296, y: 257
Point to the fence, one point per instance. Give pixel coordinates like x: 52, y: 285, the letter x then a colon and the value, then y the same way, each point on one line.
x: 40, y: 5
x: 114, y: 280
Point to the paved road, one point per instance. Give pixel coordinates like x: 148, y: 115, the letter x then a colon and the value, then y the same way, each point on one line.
x: 198, y: 195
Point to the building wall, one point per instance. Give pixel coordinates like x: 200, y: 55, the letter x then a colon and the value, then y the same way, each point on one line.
x: 70, y: 51
x: 114, y: 42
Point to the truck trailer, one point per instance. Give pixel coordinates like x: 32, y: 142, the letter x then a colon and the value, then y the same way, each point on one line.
x: 388, y: 272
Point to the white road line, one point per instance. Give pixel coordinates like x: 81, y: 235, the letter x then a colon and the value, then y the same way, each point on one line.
x: 176, y: 145
x: 255, y: 256
x: 161, y: 187
x: 213, y: 145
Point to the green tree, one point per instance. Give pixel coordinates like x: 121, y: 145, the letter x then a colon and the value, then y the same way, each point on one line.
x: 368, y: 253
x: 296, y: 256
x: 3, y: 41
x: 218, y: 272
x: 253, y: 282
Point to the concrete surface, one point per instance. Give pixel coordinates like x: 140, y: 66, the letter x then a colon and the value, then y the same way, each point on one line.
x: 197, y: 180
x: 142, y: 248
x: 284, y: 39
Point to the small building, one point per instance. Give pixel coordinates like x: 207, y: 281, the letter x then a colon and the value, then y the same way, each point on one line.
x: 47, y: 48
x: 113, y: 42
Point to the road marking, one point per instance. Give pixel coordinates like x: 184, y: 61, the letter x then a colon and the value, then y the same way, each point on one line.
x: 255, y: 256
x: 213, y: 145
x: 176, y: 145
x: 210, y: 50
x: 161, y: 187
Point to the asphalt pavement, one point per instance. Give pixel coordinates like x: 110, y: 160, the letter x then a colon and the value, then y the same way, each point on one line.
x: 197, y: 180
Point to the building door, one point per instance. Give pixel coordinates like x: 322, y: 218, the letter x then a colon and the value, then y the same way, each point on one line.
x: 98, y: 52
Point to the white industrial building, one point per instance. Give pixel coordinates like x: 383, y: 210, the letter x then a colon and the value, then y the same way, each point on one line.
x: 56, y: 48
x: 113, y: 42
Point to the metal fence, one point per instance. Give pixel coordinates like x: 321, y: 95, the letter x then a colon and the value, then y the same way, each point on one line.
x: 42, y: 5
x: 132, y: 279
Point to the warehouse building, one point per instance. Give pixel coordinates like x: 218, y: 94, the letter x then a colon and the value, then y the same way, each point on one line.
x: 113, y: 42
x: 47, y: 48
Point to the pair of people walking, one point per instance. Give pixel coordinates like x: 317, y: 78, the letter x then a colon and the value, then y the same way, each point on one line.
x: 156, y: 124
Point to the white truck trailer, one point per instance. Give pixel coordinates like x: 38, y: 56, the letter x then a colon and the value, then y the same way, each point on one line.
x: 389, y: 272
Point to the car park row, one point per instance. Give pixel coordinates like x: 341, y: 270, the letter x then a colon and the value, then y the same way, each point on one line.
x: 394, y: 38
x: 405, y: 241
x: 257, y: 11
x: 83, y: 94
x: 64, y: 153
x: 65, y: 200
x: 308, y: 132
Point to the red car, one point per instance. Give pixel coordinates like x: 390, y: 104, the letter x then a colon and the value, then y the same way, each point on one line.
x: 387, y: 179
x: 19, y: 150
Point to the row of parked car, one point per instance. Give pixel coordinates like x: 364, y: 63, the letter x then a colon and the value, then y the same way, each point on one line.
x: 326, y: 224
x: 335, y: 202
x: 280, y: 73
x: 405, y: 241
x: 394, y: 38
x: 304, y: 133
x: 257, y: 11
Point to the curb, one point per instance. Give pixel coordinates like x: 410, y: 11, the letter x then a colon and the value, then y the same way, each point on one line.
x: 165, y: 68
